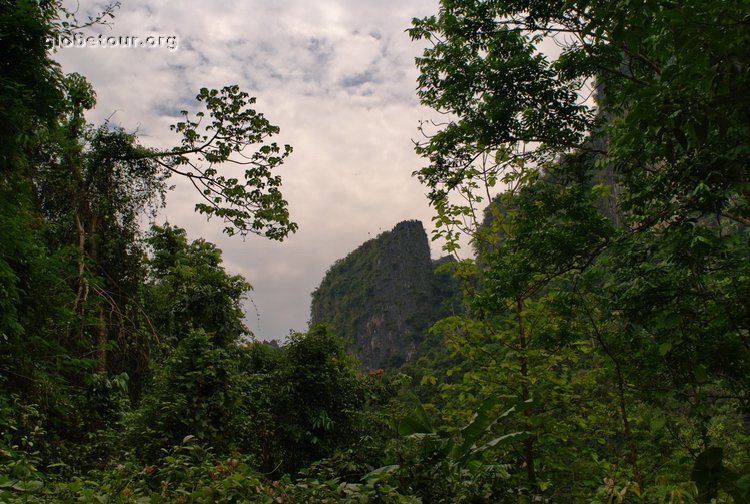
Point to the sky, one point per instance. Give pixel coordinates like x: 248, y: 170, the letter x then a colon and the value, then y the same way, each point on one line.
x: 337, y: 76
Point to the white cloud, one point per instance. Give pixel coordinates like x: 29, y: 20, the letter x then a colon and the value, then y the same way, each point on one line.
x: 337, y: 76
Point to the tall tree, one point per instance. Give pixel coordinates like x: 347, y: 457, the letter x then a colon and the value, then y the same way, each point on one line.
x: 31, y: 99
x: 668, y: 144
x: 188, y: 288
x: 94, y: 183
x: 71, y: 258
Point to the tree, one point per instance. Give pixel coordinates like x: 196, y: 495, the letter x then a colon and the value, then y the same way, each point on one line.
x: 94, y: 183
x: 72, y: 268
x: 522, y: 344
x: 321, y: 396
x: 31, y: 98
x: 668, y: 144
x: 30, y: 93
x: 188, y: 288
x: 196, y: 393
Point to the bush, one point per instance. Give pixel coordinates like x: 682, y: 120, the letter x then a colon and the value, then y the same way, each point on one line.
x: 195, y: 393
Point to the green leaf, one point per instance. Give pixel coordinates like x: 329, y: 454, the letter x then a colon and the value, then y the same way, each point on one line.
x: 658, y: 423
x: 664, y: 348
x: 27, y: 486
x: 417, y: 423
x: 494, y: 442
x: 410, y: 425
x: 378, y: 473
x: 480, y: 423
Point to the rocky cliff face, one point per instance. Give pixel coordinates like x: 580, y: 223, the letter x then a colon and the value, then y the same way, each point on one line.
x: 383, y: 297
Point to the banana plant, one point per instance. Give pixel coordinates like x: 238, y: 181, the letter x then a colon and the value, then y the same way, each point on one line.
x: 465, y: 449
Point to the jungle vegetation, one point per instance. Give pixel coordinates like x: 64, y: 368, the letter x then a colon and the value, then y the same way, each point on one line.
x: 602, y: 352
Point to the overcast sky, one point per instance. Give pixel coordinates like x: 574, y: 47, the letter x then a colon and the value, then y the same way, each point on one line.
x: 337, y: 76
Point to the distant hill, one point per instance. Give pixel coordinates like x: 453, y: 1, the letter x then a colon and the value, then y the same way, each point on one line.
x: 383, y: 297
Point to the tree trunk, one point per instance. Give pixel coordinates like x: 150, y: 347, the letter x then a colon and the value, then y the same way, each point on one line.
x: 102, y: 332
x: 525, y: 394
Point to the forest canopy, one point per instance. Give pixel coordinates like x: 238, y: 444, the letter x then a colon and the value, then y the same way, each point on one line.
x: 601, y: 352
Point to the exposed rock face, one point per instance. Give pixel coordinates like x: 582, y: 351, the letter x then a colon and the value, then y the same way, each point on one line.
x: 383, y: 297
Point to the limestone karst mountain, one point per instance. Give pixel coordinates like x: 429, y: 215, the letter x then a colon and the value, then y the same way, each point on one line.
x: 383, y: 297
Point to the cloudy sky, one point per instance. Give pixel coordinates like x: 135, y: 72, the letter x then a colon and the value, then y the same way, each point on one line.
x: 337, y: 76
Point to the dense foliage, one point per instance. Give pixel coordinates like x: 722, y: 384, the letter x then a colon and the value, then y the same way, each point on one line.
x: 612, y: 267
x: 602, y: 352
